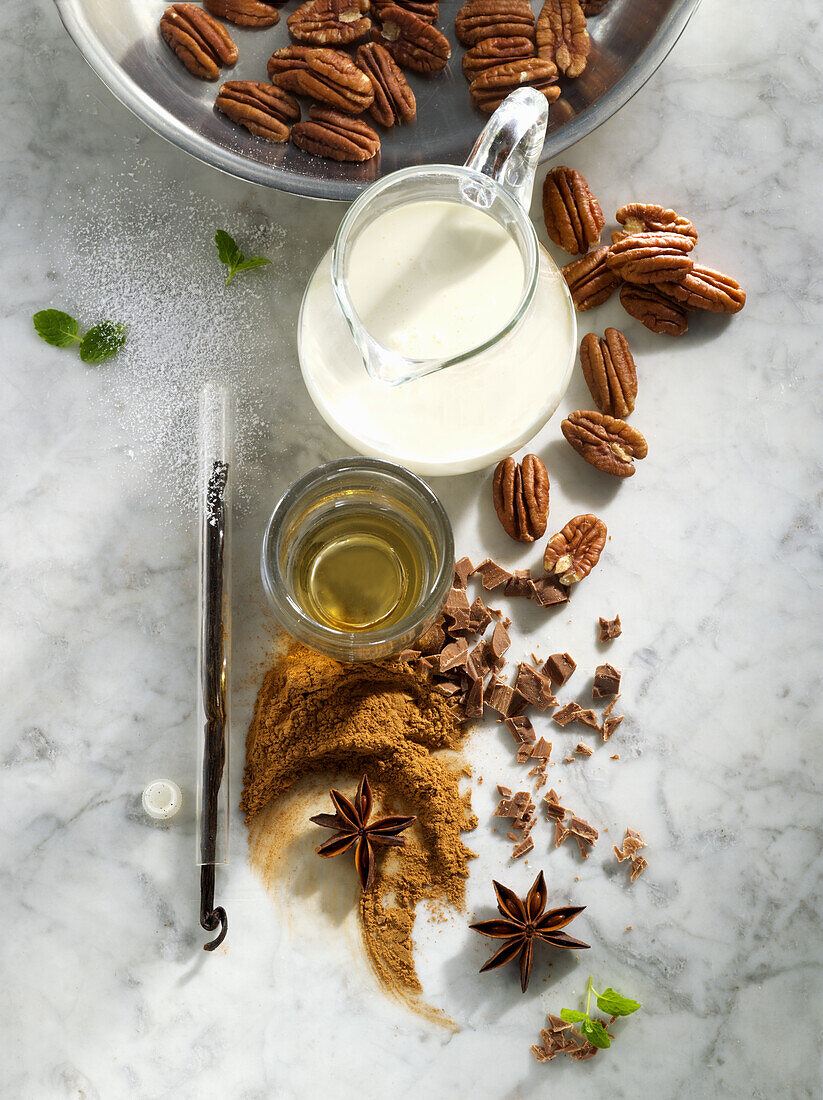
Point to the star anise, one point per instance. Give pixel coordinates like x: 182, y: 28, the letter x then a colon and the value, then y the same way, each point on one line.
x: 523, y: 922
x: 353, y: 828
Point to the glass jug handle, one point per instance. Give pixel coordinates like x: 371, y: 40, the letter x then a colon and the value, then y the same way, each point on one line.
x: 510, y: 143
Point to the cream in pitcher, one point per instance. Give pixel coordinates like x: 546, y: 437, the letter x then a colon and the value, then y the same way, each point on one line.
x: 436, y: 332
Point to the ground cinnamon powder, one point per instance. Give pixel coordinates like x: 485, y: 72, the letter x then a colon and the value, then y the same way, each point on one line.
x: 313, y: 715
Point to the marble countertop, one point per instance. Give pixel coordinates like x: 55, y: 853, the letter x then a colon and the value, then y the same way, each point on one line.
x: 714, y: 566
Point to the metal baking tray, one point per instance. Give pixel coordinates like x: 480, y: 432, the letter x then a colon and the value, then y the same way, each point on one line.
x: 121, y: 42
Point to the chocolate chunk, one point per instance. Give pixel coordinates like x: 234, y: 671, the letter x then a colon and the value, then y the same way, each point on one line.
x: 583, y: 750
x: 559, y: 668
x: 457, y: 611
x: 447, y: 688
x: 616, y: 756
x: 553, y: 807
x: 504, y: 792
x: 433, y: 640
x: 521, y: 729
x: 518, y: 583
x: 607, y: 710
x: 473, y: 706
x: 542, y: 749
x: 500, y: 642
x: 481, y: 657
x: 479, y: 617
x: 583, y: 830
x: 637, y: 867
x: 606, y: 681
x: 409, y: 655
x: 524, y: 753
x: 561, y: 833
x: 548, y: 591
x: 610, y: 628
x: 610, y: 725
x: 491, y: 574
x: 504, y: 699
x: 463, y: 569
x: 587, y: 718
x: 524, y: 846
x: 454, y: 655
x: 535, y: 688
x: 567, y: 714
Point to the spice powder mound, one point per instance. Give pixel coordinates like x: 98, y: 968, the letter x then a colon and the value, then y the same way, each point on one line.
x: 316, y: 715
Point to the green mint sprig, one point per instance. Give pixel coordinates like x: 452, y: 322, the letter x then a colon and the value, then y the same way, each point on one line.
x: 61, y: 330
x: 233, y: 258
x: 610, y: 1002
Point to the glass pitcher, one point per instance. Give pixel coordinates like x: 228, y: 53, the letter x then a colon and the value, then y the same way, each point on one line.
x: 437, y: 332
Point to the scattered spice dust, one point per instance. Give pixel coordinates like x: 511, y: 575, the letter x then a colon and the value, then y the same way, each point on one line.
x: 314, y: 715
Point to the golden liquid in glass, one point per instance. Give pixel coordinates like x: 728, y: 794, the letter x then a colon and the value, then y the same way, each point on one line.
x: 358, y: 570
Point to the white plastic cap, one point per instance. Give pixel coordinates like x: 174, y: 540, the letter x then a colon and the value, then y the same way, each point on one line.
x: 162, y: 799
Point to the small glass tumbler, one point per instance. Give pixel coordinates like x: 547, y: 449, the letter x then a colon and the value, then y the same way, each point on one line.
x: 338, y: 493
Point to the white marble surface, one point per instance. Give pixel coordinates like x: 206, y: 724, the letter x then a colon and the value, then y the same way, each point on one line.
x: 714, y: 566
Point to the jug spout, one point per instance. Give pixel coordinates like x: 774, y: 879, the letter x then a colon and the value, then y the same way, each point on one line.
x: 509, y: 146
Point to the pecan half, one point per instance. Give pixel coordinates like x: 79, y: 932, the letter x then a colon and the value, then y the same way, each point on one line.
x: 263, y: 109
x: 654, y: 309
x: 427, y: 10
x: 412, y: 42
x: 200, y: 42
x: 590, y: 280
x: 329, y: 22
x: 647, y: 217
x: 393, y: 98
x: 245, y: 13
x: 562, y: 37
x: 490, y: 88
x: 609, y: 370
x: 520, y: 493
x: 609, y: 444
x: 572, y: 214
x: 329, y: 133
x: 706, y: 289
x: 490, y: 52
x: 652, y: 258
x: 326, y: 75
x: 479, y: 19
x: 573, y: 552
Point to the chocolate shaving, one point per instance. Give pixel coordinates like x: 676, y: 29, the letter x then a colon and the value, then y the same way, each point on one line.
x: 606, y: 681
x: 561, y: 833
x: 491, y: 574
x: 610, y: 628
x: 637, y: 867
x: 559, y: 667
x: 535, y: 688
x: 583, y: 750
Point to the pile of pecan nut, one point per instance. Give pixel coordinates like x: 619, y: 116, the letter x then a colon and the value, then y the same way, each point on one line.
x: 340, y: 86
x: 507, y: 49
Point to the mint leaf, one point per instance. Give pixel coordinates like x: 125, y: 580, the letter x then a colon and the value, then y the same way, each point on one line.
x: 55, y: 327
x: 227, y: 249
x: 251, y: 263
x: 595, y: 1033
x: 614, y: 1004
x: 101, y: 341
x: 233, y: 258
x: 572, y: 1016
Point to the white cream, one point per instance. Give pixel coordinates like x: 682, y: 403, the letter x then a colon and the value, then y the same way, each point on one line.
x: 467, y: 415
x: 432, y: 280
